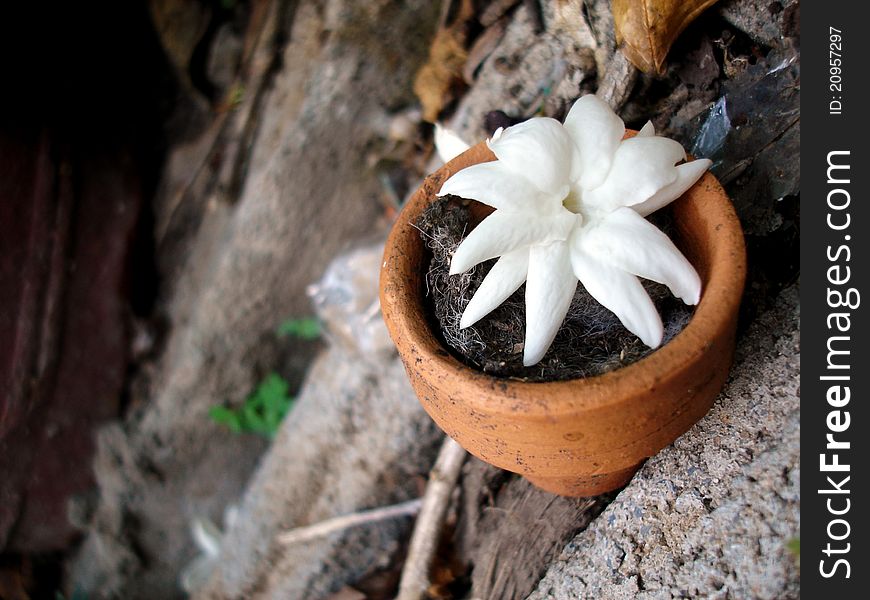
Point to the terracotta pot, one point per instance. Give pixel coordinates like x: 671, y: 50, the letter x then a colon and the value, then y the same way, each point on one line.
x: 580, y: 437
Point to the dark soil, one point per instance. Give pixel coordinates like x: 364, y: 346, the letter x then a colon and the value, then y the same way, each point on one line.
x: 591, y: 341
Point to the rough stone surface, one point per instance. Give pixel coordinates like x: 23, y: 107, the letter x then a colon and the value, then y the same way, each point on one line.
x: 767, y: 22
x: 762, y: 107
x: 305, y: 191
x: 711, y: 515
x: 527, y: 71
x: 357, y: 439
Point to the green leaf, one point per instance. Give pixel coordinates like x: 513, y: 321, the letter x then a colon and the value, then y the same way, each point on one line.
x: 275, y: 410
x: 273, y: 386
x: 252, y: 419
x: 305, y: 328
x: 262, y: 411
x: 225, y: 416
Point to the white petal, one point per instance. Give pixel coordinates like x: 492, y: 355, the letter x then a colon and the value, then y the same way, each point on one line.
x: 495, y: 185
x: 597, y: 131
x: 504, y: 231
x: 641, y: 167
x: 505, y: 277
x: 687, y: 175
x: 538, y: 149
x: 648, y: 130
x: 621, y: 293
x: 627, y: 241
x: 448, y: 144
x: 550, y: 286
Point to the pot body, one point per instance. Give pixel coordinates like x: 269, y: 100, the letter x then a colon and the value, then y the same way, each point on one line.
x: 587, y: 436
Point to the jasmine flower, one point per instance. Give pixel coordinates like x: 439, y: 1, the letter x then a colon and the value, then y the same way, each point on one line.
x: 570, y: 203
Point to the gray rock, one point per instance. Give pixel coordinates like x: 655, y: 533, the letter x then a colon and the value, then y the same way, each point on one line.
x: 357, y: 439
x: 711, y: 515
x: 755, y: 162
x: 768, y: 22
x: 305, y: 192
x: 528, y: 72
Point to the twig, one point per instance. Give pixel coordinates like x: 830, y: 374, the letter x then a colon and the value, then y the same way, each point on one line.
x: 324, y: 528
x: 427, y: 530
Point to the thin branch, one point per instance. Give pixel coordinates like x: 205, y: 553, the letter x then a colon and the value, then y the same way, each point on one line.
x: 427, y: 530
x: 325, y: 528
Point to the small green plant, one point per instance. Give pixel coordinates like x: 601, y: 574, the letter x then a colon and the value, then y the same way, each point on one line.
x: 305, y: 328
x: 262, y: 411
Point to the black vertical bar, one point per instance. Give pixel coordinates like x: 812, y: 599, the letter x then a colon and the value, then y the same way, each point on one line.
x: 835, y: 421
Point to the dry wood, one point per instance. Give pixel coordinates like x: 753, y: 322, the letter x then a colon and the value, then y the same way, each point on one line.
x: 482, y: 48
x: 427, y: 530
x: 324, y: 528
x: 510, y: 531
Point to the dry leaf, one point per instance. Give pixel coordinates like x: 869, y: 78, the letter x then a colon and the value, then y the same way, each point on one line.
x: 434, y: 79
x: 447, y: 55
x: 645, y: 29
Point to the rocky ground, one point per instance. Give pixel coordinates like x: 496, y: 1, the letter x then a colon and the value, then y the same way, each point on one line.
x: 713, y: 515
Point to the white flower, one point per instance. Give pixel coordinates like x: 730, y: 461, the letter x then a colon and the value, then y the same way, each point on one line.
x: 570, y: 204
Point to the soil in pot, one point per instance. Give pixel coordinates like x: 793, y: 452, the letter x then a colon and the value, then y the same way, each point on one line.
x: 590, y: 342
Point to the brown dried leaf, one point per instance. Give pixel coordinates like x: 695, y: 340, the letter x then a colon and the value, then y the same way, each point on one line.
x: 645, y: 29
x: 447, y: 54
x: 435, y: 79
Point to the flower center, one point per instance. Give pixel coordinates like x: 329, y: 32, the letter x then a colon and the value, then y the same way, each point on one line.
x: 573, y: 200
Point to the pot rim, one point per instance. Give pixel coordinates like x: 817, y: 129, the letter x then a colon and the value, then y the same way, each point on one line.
x: 404, y: 312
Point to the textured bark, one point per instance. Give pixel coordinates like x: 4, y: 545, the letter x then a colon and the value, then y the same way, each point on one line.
x: 510, y: 531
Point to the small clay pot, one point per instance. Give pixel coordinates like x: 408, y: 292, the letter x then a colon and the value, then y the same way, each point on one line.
x: 580, y: 437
